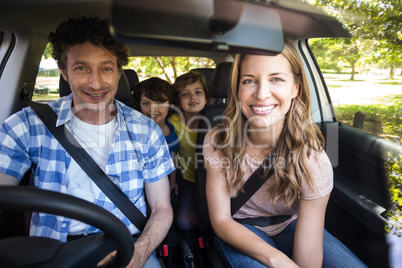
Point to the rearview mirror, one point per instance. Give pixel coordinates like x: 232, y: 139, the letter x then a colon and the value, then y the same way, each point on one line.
x: 213, y: 25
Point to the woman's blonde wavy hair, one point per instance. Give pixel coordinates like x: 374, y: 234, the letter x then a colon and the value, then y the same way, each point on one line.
x: 299, y: 137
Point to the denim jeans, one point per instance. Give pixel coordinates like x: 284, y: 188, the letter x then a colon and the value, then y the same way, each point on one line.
x: 152, y: 261
x: 335, y: 253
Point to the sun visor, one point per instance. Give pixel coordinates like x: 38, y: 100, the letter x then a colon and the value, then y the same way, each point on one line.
x: 220, y: 25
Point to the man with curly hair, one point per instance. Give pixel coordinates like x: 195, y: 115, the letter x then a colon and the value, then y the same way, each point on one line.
x: 127, y: 145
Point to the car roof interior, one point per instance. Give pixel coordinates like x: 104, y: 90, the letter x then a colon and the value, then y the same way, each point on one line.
x: 130, y: 26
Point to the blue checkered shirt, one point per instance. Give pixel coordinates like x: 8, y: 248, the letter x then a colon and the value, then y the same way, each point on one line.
x: 139, y: 155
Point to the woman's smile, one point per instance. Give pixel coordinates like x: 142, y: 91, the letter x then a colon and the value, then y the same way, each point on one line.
x: 262, y: 109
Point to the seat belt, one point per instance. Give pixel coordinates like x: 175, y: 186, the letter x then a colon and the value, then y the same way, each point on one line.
x: 251, y: 186
x: 90, y: 167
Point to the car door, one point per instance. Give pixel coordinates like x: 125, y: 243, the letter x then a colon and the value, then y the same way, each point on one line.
x: 360, y: 198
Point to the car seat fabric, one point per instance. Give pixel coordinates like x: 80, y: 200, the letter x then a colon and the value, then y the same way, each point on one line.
x: 207, y: 72
x: 123, y: 93
x: 211, y: 115
x: 220, y: 80
x: 132, y: 77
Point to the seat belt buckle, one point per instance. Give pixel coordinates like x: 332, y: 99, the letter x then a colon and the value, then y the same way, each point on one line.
x: 201, y: 242
x: 165, y: 251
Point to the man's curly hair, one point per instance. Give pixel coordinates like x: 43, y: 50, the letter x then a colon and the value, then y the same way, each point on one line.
x: 78, y: 31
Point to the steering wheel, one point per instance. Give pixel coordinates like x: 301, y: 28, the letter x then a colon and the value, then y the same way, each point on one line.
x: 47, y: 252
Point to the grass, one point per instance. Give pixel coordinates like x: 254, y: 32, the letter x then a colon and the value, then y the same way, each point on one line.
x: 395, y: 83
x: 383, y: 119
x: 335, y: 86
x: 48, y: 97
x: 355, y: 80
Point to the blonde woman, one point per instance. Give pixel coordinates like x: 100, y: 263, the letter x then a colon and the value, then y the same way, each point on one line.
x: 269, y: 111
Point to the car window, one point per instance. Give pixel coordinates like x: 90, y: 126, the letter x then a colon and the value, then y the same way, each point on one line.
x: 47, y: 81
x: 168, y: 68
x: 366, y: 94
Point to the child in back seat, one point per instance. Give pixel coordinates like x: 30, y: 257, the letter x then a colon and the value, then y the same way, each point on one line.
x: 191, y: 95
x: 153, y: 98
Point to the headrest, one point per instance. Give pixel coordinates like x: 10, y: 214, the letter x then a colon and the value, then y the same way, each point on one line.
x: 64, y: 87
x: 207, y: 72
x: 123, y: 90
x: 132, y: 78
x: 220, y: 80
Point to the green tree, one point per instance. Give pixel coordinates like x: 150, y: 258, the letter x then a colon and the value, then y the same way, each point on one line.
x: 168, y: 68
x: 329, y: 52
x: 47, y: 53
x: 373, y: 20
x: 349, y: 50
x: 322, y: 48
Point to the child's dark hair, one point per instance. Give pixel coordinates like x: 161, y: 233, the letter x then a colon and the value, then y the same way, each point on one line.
x: 155, y: 89
x: 186, y: 79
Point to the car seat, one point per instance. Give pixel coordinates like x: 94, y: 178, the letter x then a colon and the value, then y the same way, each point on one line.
x: 132, y: 77
x: 211, y: 115
x: 123, y: 93
x: 207, y: 72
x: 188, y: 246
